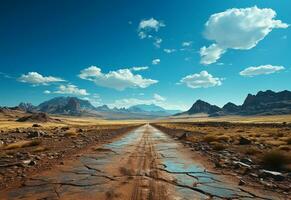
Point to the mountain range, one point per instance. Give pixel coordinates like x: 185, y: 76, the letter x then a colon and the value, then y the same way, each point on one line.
x: 79, y: 107
x: 263, y: 103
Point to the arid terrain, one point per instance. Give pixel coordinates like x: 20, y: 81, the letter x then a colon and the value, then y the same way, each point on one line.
x: 86, y: 158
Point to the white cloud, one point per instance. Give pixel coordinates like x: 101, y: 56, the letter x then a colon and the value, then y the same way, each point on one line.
x: 47, y: 92
x: 156, y: 61
x: 186, y: 44
x: 210, y: 54
x: 157, y: 42
x: 147, y: 29
x: 169, y: 50
x: 94, y: 99
x: 240, y: 29
x: 119, y: 80
x: 201, y: 80
x: 38, y: 79
x: 158, y: 97
x: 150, y: 25
x: 127, y: 102
x: 139, y: 68
x: 71, y: 89
x: 260, y: 70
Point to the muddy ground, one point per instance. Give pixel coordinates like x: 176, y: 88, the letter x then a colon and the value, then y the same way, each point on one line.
x: 144, y: 163
x: 28, y: 151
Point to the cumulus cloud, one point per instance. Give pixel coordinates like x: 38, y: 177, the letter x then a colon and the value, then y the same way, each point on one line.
x: 119, y: 80
x: 201, y: 80
x: 261, y: 70
x: 127, y: 102
x: 240, y: 29
x: 147, y: 29
x: 71, y: 89
x: 156, y: 61
x: 38, y: 79
x: 47, y: 92
x: 157, y: 42
x: 139, y: 68
x: 148, y: 25
x: 169, y: 50
x: 210, y: 54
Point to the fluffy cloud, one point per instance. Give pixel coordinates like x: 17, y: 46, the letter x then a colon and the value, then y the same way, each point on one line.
x: 210, y: 54
x: 169, y: 50
x: 147, y: 29
x: 237, y: 29
x: 156, y: 61
x: 201, y: 80
x: 150, y: 25
x: 38, y: 79
x: 157, y: 42
x: 260, y: 70
x: 71, y: 89
x: 120, y: 103
x: 119, y: 80
x: 139, y: 68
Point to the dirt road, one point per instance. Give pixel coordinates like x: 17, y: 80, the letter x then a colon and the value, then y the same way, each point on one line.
x: 144, y: 164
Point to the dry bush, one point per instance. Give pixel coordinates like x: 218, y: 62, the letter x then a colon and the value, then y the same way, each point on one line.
x: 22, y: 144
x: 285, y: 147
x: 275, y: 160
x: 217, y: 146
x: 224, y: 138
x: 209, y: 138
x: 40, y: 149
x: 251, y: 151
x: 288, y: 140
x: 71, y: 134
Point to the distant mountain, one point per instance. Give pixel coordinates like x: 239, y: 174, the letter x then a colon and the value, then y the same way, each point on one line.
x: 27, y: 107
x: 66, y: 105
x: 202, y: 107
x: 263, y: 103
x: 152, y: 109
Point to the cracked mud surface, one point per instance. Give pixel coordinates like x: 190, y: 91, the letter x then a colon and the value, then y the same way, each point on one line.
x: 144, y: 164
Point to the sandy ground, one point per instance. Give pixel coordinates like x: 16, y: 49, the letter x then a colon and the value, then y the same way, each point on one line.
x: 143, y: 164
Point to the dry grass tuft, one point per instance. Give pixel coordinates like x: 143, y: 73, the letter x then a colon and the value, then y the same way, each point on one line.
x: 209, y: 138
x: 217, y: 146
x: 22, y: 144
x: 275, y: 160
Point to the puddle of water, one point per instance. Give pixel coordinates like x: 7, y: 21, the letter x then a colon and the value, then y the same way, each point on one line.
x: 179, y: 164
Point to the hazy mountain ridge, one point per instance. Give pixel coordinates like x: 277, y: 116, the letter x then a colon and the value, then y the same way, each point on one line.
x: 79, y: 107
x: 263, y: 103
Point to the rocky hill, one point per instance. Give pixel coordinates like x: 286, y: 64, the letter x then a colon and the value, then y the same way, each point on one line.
x: 263, y: 103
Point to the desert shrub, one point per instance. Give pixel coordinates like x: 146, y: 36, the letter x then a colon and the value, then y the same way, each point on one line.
x: 40, y: 149
x: 224, y: 138
x: 280, y: 134
x: 284, y: 148
x: 288, y: 140
x: 275, y: 160
x: 251, y: 151
x: 209, y: 138
x: 217, y: 146
x: 71, y: 134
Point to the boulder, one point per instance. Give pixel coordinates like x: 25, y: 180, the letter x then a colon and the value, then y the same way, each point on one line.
x: 244, y: 141
x: 278, y: 176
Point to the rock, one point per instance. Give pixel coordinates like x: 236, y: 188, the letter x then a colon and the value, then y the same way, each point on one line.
x: 36, y: 125
x: 29, y: 162
x: 244, y: 141
x: 241, y: 164
x: 247, y: 161
x: 34, y: 134
x: 1, y: 143
x: 278, y: 176
x: 241, y: 182
x: 184, y: 136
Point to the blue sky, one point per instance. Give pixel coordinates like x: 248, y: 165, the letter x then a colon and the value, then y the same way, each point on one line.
x: 217, y: 51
